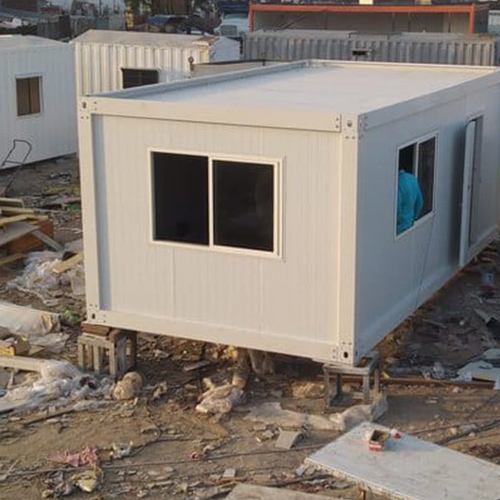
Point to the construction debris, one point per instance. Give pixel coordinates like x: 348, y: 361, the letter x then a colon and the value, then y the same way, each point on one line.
x: 253, y: 492
x: 273, y: 413
x: 87, y: 481
x: 487, y: 367
x: 86, y: 456
x: 28, y: 321
x: 287, y: 439
x: 355, y: 415
x: 121, y: 450
x: 413, y: 468
x: 59, y: 383
x: 45, y: 274
x: 220, y: 400
x: 128, y: 387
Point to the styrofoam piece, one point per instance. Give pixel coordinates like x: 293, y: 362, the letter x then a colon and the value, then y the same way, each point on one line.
x: 409, y: 468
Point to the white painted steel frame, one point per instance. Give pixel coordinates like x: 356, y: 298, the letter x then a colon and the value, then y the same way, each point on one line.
x: 275, y: 163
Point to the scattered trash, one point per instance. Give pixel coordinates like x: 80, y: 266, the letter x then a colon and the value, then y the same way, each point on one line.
x: 70, y: 318
x: 438, y: 371
x: 229, y: 474
x: 251, y: 491
x: 287, y: 439
x: 27, y: 321
x: 196, y: 366
x: 57, y: 486
x: 51, y: 342
x: 121, y: 450
x: 86, y: 456
x: 220, y: 400
x: 273, y: 413
x: 87, y: 481
x: 159, y: 391
x: 59, y: 383
x: 377, y: 439
x: 128, y: 387
x: 14, y: 345
x: 44, y: 275
x: 478, y: 370
x: 309, y: 390
x: 360, y: 413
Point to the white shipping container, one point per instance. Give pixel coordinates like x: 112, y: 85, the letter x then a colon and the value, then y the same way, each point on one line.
x: 38, y: 103
x: 103, y: 57
x: 259, y: 208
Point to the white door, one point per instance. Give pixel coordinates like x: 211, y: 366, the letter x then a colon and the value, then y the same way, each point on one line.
x: 470, y: 181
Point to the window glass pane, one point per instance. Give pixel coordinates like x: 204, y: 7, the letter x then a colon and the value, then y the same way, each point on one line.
x: 243, y: 205
x: 406, y: 160
x: 180, y: 190
x: 28, y: 96
x: 138, y: 77
x: 426, y: 153
x: 23, y: 96
x: 34, y: 89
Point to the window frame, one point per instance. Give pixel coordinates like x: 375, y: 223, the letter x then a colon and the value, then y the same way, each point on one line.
x: 122, y: 69
x: 416, y: 141
x: 276, y: 163
x: 40, y: 77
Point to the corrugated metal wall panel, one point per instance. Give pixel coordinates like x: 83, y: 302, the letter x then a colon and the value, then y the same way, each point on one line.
x: 53, y: 132
x: 476, y: 50
x: 98, y: 65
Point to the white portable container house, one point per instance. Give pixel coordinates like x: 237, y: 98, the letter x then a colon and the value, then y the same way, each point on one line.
x: 259, y: 208
x: 113, y: 60
x: 38, y: 100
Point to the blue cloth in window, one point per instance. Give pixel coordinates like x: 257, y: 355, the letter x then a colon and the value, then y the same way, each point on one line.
x: 410, y: 200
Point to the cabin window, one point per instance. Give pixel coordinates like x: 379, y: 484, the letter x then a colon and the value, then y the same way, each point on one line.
x: 243, y: 205
x: 28, y: 96
x: 215, y: 202
x: 417, y: 159
x: 138, y: 77
x: 180, y: 187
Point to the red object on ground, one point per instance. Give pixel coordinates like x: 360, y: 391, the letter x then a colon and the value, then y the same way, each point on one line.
x: 87, y: 456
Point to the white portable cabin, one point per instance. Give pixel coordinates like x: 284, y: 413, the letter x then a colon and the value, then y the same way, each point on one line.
x: 113, y: 60
x: 38, y: 100
x: 259, y: 208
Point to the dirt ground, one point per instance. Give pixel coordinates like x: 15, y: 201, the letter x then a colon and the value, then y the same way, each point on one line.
x: 180, y: 453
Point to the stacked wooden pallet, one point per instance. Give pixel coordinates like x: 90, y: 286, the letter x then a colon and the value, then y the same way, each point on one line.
x: 13, y: 210
x: 23, y: 229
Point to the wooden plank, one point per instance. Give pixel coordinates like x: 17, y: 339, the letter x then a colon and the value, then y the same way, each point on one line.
x: 29, y: 242
x: 94, y: 340
x: 95, y: 329
x: 7, y: 405
x: 24, y: 363
x: 48, y: 241
x: 65, y: 265
x: 9, y: 220
x: 253, y: 492
x: 14, y: 231
x: 16, y: 211
x: 409, y: 468
x: 11, y: 202
x: 8, y: 259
